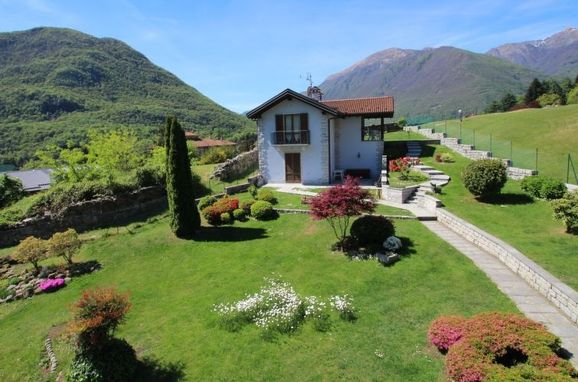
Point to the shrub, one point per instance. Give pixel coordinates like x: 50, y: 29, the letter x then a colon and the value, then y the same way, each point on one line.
x: 206, y: 201
x: 447, y: 158
x: 371, y: 230
x: 485, y: 177
x: 65, y: 244
x: 262, y: 210
x: 392, y: 244
x: 253, y: 190
x: 446, y: 331
x: 50, y: 285
x: 339, y: 203
x: 543, y: 187
x: 549, y: 99
x: 266, y: 195
x: 30, y: 250
x: 226, y: 218
x: 344, y: 306
x: 497, y: 347
x: 216, y: 155
x: 566, y: 210
x: 10, y: 190
x: 222, y: 206
x: 239, y: 214
x: 149, y: 176
x: 246, y: 206
x: 97, y: 315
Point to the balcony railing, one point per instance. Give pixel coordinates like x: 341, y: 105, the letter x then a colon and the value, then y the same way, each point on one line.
x: 291, y: 137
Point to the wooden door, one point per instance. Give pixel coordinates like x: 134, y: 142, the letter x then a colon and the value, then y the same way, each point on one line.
x: 293, y: 168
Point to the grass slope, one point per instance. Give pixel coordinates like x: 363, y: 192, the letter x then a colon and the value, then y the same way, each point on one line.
x: 554, y: 131
x: 514, y: 217
x: 174, y: 285
x: 56, y: 83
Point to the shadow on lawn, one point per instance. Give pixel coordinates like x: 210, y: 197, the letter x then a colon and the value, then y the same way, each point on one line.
x: 153, y: 370
x: 508, y: 198
x: 408, y: 247
x: 229, y: 234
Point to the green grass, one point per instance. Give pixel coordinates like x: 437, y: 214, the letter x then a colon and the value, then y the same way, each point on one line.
x: 174, y: 285
x: 403, y: 136
x: 526, y: 224
x: 414, y: 178
x: 554, y: 131
x: 217, y: 186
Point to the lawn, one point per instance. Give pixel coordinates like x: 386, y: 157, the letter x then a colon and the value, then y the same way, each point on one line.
x: 524, y: 223
x: 217, y: 186
x: 414, y: 178
x: 554, y: 131
x: 403, y: 136
x: 174, y: 285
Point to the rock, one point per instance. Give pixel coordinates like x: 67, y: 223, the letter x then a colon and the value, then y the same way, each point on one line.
x: 387, y: 258
x: 10, y: 287
x: 67, y: 279
x: 37, y: 291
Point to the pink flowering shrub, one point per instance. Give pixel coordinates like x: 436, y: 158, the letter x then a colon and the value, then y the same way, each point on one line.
x: 50, y: 285
x: 499, y: 347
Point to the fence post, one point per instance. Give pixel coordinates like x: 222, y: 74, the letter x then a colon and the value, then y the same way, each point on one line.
x: 568, y: 169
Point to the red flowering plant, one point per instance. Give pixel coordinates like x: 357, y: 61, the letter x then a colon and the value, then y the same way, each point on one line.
x: 402, y: 165
x: 339, y: 203
x: 225, y: 205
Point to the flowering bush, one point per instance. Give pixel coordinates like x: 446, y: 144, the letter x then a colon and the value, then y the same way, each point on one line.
x: 499, y: 347
x: 225, y: 205
x: 277, y: 308
x: 344, y: 305
x: 402, y: 165
x: 50, y: 285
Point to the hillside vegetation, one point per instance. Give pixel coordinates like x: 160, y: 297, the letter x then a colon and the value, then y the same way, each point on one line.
x: 553, y: 131
x: 55, y: 84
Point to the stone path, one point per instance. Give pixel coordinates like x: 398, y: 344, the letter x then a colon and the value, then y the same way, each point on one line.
x: 528, y: 300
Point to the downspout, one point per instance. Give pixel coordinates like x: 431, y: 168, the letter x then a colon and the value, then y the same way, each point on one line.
x: 329, y: 146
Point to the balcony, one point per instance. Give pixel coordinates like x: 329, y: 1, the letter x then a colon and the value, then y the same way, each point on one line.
x: 291, y: 137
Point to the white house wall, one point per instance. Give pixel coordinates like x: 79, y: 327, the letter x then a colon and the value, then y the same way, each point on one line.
x: 314, y: 157
x: 349, y: 145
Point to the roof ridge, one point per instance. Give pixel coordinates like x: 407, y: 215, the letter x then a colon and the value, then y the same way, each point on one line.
x: 354, y: 99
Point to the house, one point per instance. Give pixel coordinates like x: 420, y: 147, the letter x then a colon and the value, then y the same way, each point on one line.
x: 304, y: 139
x: 203, y: 145
x: 33, y: 180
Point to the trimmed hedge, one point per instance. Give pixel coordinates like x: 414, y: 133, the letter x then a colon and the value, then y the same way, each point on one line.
x: 371, y: 230
x: 266, y: 195
x: 543, y: 187
x: 262, y: 210
x: 485, y: 177
x: 215, y: 212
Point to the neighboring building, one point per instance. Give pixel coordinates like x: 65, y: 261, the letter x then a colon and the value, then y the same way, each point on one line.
x: 203, y: 145
x: 307, y: 140
x: 33, y: 180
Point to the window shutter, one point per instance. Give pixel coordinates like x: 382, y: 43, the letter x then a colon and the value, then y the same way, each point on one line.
x: 304, y: 121
x: 278, y: 122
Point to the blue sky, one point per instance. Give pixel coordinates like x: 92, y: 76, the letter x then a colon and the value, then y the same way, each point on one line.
x: 240, y: 53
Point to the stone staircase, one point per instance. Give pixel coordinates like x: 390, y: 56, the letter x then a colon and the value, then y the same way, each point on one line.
x: 437, y: 178
x: 413, y: 149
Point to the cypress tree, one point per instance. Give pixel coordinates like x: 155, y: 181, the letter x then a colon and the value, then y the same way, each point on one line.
x: 183, y: 211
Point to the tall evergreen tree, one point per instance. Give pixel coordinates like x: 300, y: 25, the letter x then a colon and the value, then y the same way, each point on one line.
x: 508, y: 101
x: 183, y: 211
x: 535, y: 90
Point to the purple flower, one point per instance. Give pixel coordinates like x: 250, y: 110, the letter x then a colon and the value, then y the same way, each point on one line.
x: 50, y: 285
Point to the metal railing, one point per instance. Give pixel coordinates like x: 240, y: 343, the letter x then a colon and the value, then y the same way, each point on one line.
x: 300, y: 137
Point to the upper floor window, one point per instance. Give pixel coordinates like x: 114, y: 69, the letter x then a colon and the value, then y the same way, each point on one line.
x: 291, y: 129
x: 372, y: 129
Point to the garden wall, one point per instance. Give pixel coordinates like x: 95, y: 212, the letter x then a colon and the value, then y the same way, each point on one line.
x: 564, y: 297
x: 469, y: 151
x: 236, y: 167
x: 105, y: 212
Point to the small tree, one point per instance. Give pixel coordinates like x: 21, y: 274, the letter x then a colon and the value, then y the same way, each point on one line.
x: 485, y: 177
x: 566, y: 210
x: 97, y: 315
x: 31, y: 250
x: 65, y: 244
x: 508, y: 101
x: 339, y: 203
x: 535, y: 90
x: 10, y: 190
x: 185, y: 219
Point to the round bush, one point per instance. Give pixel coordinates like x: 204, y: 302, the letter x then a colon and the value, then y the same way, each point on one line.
x: 226, y: 218
x: 392, y: 244
x: 552, y: 189
x: 239, y: 214
x: 266, y: 195
x: 446, y: 331
x: 372, y: 230
x: 485, y: 177
x: 114, y: 362
x: 532, y: 185
x: 262, y: 210
x: 246, y: 206
x: 206, y: 201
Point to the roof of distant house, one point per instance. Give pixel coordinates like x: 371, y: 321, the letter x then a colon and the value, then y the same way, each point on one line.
x: 374, y: 106
x: 33, y: 180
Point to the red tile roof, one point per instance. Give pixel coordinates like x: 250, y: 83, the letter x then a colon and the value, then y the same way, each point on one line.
x: 357, y: 106
x: 212, y: 143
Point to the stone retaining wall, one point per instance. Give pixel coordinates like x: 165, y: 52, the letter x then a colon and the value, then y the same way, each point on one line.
x: 105, y: 212
x: 564, y: 297
x: 235, y: 167
x: 469, y: 151
x: 397, y: 195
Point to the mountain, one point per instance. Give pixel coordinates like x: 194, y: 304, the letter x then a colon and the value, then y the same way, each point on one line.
x: 430, y: 83
x: 55, y: 84
x: 555, y: 55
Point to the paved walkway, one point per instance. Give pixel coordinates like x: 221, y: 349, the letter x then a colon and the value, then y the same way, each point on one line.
x: 528, y: 300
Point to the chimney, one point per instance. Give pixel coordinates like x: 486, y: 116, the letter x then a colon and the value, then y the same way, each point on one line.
x: 315, y: 93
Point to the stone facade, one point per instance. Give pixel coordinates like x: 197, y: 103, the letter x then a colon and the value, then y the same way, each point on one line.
x: 98, y: 213
x: 237, y: 166
x: 562, y: 296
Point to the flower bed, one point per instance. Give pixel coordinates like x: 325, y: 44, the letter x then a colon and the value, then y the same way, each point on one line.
x: 499, y: 347
x: 50, y: 285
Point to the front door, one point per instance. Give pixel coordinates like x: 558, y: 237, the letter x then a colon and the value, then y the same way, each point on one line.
x: 293, y: 168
